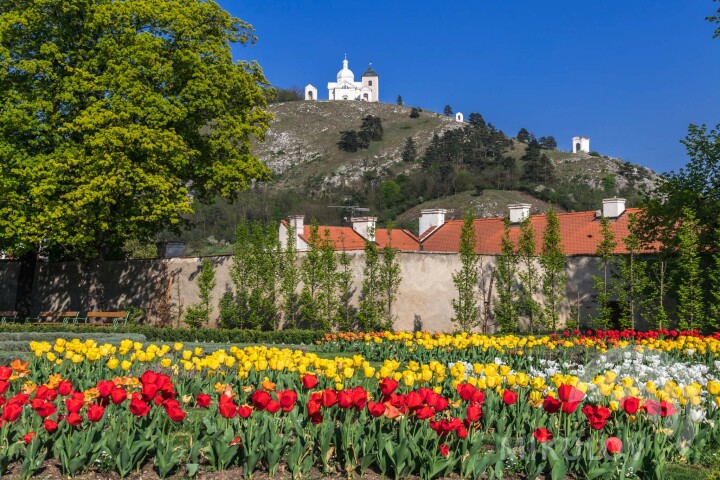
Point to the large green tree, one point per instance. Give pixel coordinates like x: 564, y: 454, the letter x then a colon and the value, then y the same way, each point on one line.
x: 466, y: 306
x: 115, y: 115
x: 554, y: 270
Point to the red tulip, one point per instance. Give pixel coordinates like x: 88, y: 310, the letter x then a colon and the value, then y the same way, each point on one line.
x: 614, y: 445
x: 344, y: 398
x: 95, y: 413
x: 149, y: 377
x: 630, y: 405
x: 444, y: 450
x: 462, y: 432
x: 597, y: 415
x: 474, y: 412
x: 309, y: 381
x: 4, y: 386
x: 329, y: 398
x: 260, y: 399
x: 425, y: 412
x: 667, y: 408
x: 228, y: 409
x: 388, y: 386
x: 105, y: 388
x: 273, y: 406
x: 396, y: 400
x: 442, y: 403
x: 65, y: 388
x: 542, y: 435
x: 466, y: 391
x: 50, y: 426
x: 509, y: 397
x: 359, y: 398
x: 244, y: 411
x: 551, y: 404
x: 376, y: 409
x: 287, y: 399
x: 175, y: 413
x: 138, y: 407
x: 42, y: 408
x: 11, y: 412
x: 149, y: 390
x: 413, y: 400
x: 118, y: 395
x: 5, y: 373
x: 28, y: 437
x: 316, y: 418
x: 74, y: 405
x: 203, y: 400
x: 74, y: 419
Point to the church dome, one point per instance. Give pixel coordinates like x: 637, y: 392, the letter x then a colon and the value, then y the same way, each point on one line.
x: 345, y: 75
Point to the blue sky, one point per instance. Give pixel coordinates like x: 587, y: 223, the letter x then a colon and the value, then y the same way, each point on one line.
x: 629, y: 74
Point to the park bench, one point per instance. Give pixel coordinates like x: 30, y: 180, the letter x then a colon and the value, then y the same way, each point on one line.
x: 8, y: 316
x: 104, y: 319
x: 54, y: 318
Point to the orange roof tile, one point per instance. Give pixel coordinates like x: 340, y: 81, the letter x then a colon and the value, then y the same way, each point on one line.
x: 580, y: 233
x: 345, y: 238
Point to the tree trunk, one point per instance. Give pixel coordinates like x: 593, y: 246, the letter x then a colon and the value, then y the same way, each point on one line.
x: 26, y: 279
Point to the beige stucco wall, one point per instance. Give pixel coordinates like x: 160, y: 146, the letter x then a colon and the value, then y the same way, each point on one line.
x: 424, y: 298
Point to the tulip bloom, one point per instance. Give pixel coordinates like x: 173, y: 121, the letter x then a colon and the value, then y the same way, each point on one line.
x: 287, y: 400
x: 542, y: 435
x: 228, y: 409
x: 329, y: 398
x: 509, y: 397
x: 388, y: 386
x: 118, y: 395
x: 11, y: 412
x: 272, y: 406
x: 138, y: 407
x: 28, y: 437
x: 630, y: 405
x: 95, y: 413
x: 105, y: 387
x: 64, y: 388
x: 551, y: 404
x: 376, y: 409
x: 309, y: 381
x: 203, y: 400
x: 614, y: 445
x: 597, y: 415
x: 50, y: 426
x: 74, y: 419
x: 244, y: 411
x: 570, y: 398
x: 444, y: 450
x: 260, y: 399
x: 74, y: 405
x: 474, y: 412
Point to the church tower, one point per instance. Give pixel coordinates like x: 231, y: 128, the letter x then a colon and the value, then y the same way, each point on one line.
x: 371, y: 80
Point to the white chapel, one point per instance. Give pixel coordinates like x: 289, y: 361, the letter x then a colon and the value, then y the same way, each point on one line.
x: 346, y: 88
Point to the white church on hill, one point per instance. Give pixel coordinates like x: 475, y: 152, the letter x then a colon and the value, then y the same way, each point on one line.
x: 346, y: 88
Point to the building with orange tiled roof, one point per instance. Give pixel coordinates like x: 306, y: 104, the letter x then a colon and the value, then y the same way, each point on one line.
x: 580, y: 231
x: 349, y: 238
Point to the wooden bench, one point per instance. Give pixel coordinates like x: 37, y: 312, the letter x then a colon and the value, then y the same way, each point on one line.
x: 54, y: 318
x: 8, y: 316
x: 99, y: 319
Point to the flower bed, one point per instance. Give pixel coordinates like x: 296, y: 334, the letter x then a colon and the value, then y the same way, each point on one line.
x: 509, y: 410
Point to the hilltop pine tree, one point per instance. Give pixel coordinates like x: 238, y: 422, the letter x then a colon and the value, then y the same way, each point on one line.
x: 448, y: 111
x: 554, y: 276
x: 399, y: 100
x: 409, y: 153
x: 466, y: 307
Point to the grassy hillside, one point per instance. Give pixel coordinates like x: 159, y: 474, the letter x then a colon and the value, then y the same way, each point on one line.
x: 312, y: 175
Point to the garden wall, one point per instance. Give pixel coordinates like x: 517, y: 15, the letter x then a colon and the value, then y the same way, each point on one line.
x: 424, y: 299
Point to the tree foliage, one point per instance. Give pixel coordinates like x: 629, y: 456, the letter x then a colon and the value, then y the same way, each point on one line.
x: 529, y: 275
x: 602, y: 283
x: 114, y: 113
x: 198, y: 315
x: 506, y: 309
x: 554, y: 270
x: 448, y: 111
x: 466, y: 280
x: 409, y: 153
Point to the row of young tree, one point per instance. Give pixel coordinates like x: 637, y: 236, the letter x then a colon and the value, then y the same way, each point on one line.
x: 276, y: 287
x: 652, y: 285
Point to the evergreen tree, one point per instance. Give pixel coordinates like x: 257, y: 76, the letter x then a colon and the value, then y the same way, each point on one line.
x: 505, y: 308
x: 198, y: 315
x: 346, y: 318
x: 605, y: 252
x: 554, y: 276
x: 659, y: 287
x: 632, y: 279
x: 466, y: 307
x: 290, y: 281
x: 409, y: 153
x: 688, y: 272
x: 537, y: 167
x: 390, y: 278
x: 448, y: 111
x: 319, y: 297
x: 349, y: 141
x: 476, y: 120
x: 547, y: 143
x: 713, y: 310
x: 371, y: 130
x: 370, y: 308
x: 399, y: 100
x: 414, y: 112
x: 529, y: 275
x: 523, y: 136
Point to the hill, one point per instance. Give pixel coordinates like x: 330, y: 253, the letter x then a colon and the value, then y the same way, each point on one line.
x: 458, y: 166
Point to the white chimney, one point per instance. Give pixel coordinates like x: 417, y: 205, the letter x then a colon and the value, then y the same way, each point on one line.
x: 519, y: 212
x: 365, y: 226
x: 613, y: 207
x: 431, y: 217
x: 297, y: 224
